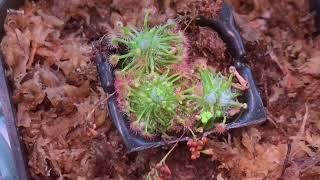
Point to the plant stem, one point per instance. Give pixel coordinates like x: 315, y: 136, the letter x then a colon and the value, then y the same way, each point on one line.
x: 165, y: 157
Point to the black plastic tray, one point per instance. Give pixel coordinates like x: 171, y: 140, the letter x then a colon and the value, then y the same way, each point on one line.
x: 12, y: 161
x: 226, y: 28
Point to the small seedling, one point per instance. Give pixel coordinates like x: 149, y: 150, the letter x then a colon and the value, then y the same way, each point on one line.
x: 218, y: 97
x: 154, y: 102
x: 150, y: 49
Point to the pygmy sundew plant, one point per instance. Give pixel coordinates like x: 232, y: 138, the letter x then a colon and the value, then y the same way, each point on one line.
x: 160, y: 91
x: 154, y: 101
x: 218, y: 97
x: 150, y: 49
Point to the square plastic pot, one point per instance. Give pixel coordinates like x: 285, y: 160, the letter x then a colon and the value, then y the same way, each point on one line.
x: 226, y: 28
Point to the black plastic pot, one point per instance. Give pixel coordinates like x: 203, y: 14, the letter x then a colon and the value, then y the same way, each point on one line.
x: 225, y: 26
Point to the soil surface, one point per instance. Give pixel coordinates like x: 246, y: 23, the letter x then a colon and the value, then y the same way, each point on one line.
x: 61, y: 107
